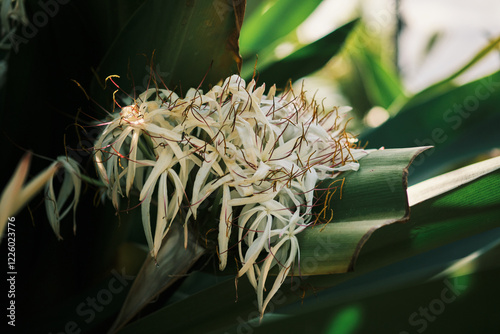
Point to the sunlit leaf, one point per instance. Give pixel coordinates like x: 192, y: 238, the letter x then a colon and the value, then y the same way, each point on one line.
x: 272, y: 20
x: 302, y: 62
x: 461, y: 123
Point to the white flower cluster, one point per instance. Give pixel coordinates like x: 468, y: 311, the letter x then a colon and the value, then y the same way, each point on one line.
x: 262, y: 155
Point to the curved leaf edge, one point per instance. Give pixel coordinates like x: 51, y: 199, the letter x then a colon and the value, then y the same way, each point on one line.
x: 403, y: 219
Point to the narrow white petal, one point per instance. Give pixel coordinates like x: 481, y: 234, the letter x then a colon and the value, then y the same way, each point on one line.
x: 225, y: 224
x: 145, y: 208
x: 52, y: 209
x: 255, y: 248
x: 161, y: 219
x: 278, y: 281
x: 257, y: 198
x: 132, y: 164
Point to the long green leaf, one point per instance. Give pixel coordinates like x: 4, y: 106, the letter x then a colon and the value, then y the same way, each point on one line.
x: 445, y: 209
x: 272, y: 20
x: 381, y: 84
x: 302, y: 62
x: 460, y: 123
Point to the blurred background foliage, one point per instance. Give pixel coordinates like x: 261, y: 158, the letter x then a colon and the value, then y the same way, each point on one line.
x: 356, y: 54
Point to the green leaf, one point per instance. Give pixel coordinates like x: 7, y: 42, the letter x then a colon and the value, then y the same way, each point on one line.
x: 272, y: 20
x: 302, y: 62
x: 173, y: 261
x: 444, y: 209
x: 372, y: 197
x: 381, y: 84
x: 445, y: 83
x: 395, y: 302
x: 192, y: 42
x: 457, y: 204
x: 452, y: 121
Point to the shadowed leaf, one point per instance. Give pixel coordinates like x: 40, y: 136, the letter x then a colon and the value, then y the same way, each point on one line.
x: 192, y: 42
x: 173, y: 261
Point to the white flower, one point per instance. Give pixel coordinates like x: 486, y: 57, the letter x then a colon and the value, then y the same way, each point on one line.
x: 262, y: 155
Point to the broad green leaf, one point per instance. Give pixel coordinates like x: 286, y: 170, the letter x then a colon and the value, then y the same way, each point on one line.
x: 302, y: 62
x: 444, y: 209
x: 181, y: 44
x: 460, y: 123
x: 471, y: 207
x: 372, y: 197
x: 272, y: 20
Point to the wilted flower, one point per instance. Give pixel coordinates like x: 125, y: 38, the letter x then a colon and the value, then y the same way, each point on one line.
x: 72, y: 183
x: 262, y: 156
x: 16, y: 195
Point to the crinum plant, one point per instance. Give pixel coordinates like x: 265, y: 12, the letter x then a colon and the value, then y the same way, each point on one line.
x: 193, y: 38
x: 255, y: 157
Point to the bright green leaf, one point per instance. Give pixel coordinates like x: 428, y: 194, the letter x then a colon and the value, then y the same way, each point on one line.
x: 302, y: 62
x: 272, y: 20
